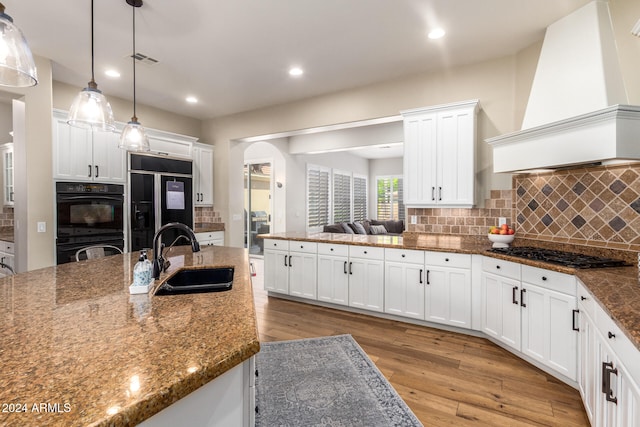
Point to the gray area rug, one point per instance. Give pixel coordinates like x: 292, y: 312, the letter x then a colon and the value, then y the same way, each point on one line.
x: 326, y: 381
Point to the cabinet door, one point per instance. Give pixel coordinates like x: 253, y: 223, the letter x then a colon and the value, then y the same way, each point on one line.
x: 456, y: 157
x: 302, y: 275
x: 203, y: 174
x: 333, y: 279
x: 404, y: 289
x: 588, y: 375
x: 109, y: 161
x: 276, y: 271
x: 501, y: 309
x: 366, y: 284
x: 7, y: 168
x: 72, y: 151
x: 420, y: 159
x: 628, y: 399
x: 448, y: 296
x: 606, y: 411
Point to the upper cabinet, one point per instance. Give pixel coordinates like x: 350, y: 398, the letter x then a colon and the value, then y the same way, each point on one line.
x: 203, y: 174
x: 82, y: 155
x: 7, y: 173
x: 439, y: 155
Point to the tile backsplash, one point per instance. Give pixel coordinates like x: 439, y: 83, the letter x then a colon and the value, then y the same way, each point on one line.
x: 6, y: 217
x: 206, y: 215
x: 595, y: 206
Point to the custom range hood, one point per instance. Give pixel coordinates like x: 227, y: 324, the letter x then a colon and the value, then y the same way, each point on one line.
x: 577, y: 112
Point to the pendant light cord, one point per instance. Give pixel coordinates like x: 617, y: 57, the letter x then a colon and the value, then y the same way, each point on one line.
x: 92, y: 52
x: 133, y: 57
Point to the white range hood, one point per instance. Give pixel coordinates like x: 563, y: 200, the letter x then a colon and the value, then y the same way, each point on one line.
x: 577, y: 112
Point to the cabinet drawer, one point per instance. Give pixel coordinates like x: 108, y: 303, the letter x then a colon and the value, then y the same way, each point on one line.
x: 282, y: 245
x: 404, y: 255
x: 305, y: 247
x: 333, y: 249
x: 447, y: 259
x: 366, y: 252
x: 6, y: 247
x: 586, y: 301
x: 210, y: 235
x: 501, y: 267
x: 553, y: 280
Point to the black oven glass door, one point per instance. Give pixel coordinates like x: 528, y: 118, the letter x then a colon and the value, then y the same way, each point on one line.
x: 86, y: 215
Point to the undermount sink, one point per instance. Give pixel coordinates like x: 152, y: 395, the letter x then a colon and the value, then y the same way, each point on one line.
x: 195, y: 280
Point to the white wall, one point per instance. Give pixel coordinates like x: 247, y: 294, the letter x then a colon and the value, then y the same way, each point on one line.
x: 381, y: 167
x: 6, y: 120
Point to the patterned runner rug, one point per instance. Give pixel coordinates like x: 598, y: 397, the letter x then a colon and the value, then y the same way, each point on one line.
x: 326, y: 381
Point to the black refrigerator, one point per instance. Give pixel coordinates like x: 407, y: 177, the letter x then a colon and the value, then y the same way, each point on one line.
x: 160, y: 192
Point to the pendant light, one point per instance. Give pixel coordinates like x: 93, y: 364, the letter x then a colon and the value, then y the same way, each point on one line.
x: 90, y: 108
x: 134, y: 137
x: 17, y: 68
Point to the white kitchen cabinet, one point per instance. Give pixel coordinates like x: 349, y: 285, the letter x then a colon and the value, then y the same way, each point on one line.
x: 587, y: 350
x: 82, y: 155
x: 439, y: 155
x: 171, y: 144
x: 302, y: 262
x: 333, y: 273
x: 210, y: 238
x: 7, y: 173
x: 549, y: 319
x: 500, y: 315
x: 276, y: 266
x: 366, y: 278
x: 404, y: 283
x: 203, y: 174
x: 7, y: 258
x: 448, y: 289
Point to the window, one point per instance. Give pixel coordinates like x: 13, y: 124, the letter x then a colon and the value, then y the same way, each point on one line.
x: 318, y: 192
x: 334, y: 197
x: 390, y: 200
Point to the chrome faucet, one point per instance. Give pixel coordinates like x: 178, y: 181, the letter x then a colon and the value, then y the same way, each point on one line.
x: 158, y: 259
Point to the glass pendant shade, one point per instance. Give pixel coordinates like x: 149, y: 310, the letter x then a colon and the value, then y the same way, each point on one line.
x: 134, y: 137
x: 91, y: 110
x: 17, y: 68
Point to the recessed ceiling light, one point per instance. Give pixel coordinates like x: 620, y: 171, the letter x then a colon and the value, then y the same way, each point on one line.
x: 192, y: 100
x: 296, y: 71
x: 436, y: 34
x: 112, y: 73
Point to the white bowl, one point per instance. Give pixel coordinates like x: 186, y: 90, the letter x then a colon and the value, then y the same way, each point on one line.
x: 501, y: 240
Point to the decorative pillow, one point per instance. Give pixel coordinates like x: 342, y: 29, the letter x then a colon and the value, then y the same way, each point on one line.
x: 367, y: 226
x: 378, y: 229
x: 346, y: 228
x: 333, y: 228
x: 359, y: 228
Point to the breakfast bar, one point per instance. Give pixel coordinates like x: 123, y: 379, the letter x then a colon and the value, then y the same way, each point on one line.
x: 78, y: 349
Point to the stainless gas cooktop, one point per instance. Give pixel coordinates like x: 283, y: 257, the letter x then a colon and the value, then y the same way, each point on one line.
x: 567, y: 259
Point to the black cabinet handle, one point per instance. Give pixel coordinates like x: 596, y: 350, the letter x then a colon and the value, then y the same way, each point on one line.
x: 97, y: 171
x: 439, y: 193
x: 611, y: 335
x: 365, y: 252
x: 420, y: 281
x: 498, y: 267
x: 433, y: 193
x: 332, y: 250
x: 513, y: 295
x: 522, y: 292
x: 446, y: 259
x: 607, y: 370
x: 544, y: 278
x: 350, y: 264
x: 428, y: 281
x: 285, y: 261
x: 256, y: 372
x: 574, y: 327
x: 290, y: 265
x: 301, y: 246
x: 345, y: 267
x: 403, y: 255
x: 582, y: 298
x: 89, y: 171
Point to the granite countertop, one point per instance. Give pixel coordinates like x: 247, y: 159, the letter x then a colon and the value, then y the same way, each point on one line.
x: 205, y: 227
x: 617, y: 290
x: 6, y: 234
x: 74, y: 338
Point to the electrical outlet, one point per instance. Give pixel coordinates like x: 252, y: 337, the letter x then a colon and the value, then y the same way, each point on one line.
x: 502, y: 220
x: 42, y: 227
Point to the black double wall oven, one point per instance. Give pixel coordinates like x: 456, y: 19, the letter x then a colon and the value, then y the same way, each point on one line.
x: 88, y: 214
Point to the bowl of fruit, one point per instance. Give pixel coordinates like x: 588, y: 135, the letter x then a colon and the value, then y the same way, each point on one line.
x: 501, y: 236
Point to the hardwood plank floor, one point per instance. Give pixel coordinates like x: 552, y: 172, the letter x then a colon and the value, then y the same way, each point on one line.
x: 447, y: 379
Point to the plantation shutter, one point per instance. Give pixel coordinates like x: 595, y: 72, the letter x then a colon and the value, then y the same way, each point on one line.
x: 399, y: 198
x: 384, y: 198
x: 341, y: 196
x: 359, y: 197
x: 318, y: 193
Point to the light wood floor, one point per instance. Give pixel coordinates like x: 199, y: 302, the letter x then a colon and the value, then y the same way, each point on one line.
x: 447, y: 379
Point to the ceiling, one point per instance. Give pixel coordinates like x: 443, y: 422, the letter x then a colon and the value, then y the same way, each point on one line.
x: 233, y: 55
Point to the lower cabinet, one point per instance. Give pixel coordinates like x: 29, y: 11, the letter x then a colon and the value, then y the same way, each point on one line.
x: 290, y: 267
x: 448, y: 289
x: 333, y: 273
x: 404, y: 283
x: 609, y: 373
x: 276, y: 266
x: 211, y: 238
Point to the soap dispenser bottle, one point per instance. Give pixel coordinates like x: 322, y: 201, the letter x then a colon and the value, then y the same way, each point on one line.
x: 141, y: 276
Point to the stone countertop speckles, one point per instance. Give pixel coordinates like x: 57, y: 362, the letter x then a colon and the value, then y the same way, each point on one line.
x: 74, y: 337
x: 617, y: 290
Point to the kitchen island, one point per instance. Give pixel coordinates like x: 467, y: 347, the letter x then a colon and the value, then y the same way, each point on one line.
x: 78, y: 349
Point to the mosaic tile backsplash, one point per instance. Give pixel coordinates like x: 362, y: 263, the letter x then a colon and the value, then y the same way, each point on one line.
x: 6, y: 217
x: 206, y: 215
x: 598, y: 206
